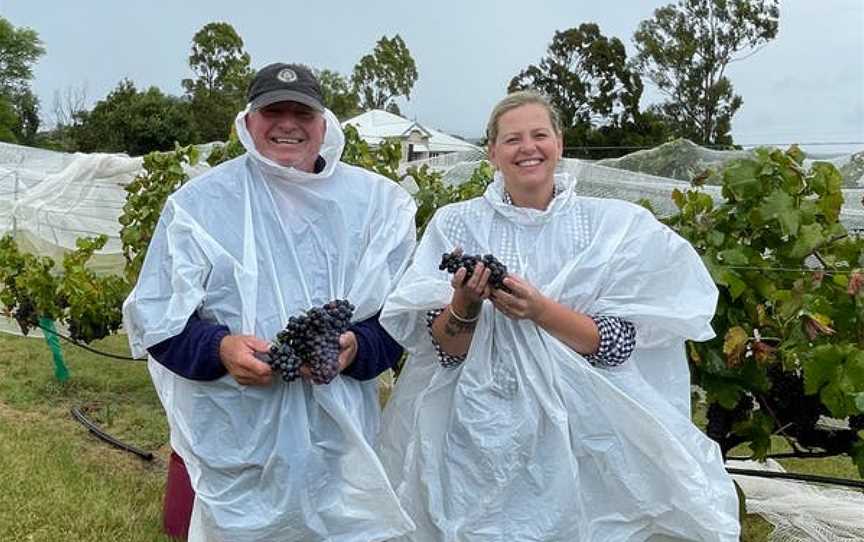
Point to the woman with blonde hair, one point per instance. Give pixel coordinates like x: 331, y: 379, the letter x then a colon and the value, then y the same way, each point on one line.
x: 557, y: 408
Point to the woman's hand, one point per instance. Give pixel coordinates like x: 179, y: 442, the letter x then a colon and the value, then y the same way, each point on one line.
x: 468, y: 295
x: 524, y: 302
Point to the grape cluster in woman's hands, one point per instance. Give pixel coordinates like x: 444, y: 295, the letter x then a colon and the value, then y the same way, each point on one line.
x: 312, y: 338
x: 455, y: 260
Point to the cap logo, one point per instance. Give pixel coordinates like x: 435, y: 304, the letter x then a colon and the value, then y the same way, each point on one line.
x: 286, y: 75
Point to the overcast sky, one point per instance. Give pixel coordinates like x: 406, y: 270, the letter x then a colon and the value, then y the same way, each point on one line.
x: 805, y: 86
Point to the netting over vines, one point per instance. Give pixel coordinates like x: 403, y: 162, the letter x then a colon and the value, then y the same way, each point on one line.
x: 652, y: 175
x: 49, y: 199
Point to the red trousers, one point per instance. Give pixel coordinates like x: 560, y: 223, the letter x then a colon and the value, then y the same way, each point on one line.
x: 179, y: 497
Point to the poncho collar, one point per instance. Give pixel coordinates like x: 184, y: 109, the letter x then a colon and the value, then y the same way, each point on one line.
x: 495, y: 197
x: 331, y: 150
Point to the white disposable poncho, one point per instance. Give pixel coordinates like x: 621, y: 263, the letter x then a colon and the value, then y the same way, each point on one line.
x: 249, y: 244
x: 527, y: 441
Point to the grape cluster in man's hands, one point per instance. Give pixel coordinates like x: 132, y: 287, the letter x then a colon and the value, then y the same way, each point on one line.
x: 455, y: 260
x: 312, y: 338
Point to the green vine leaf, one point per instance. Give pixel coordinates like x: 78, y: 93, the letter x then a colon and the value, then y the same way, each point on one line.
x: 780, y: 206
x: 757, y: 431
x: 809, y: 239
x: 740, y: 180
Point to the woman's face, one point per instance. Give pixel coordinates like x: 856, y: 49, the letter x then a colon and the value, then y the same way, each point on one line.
x: 527, y: 148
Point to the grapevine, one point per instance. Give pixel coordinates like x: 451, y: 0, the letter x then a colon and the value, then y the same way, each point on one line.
x: 790, y: 315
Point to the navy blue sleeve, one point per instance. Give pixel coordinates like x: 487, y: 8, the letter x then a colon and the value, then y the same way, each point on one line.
x: 194, y: 352
x: 376, y: 350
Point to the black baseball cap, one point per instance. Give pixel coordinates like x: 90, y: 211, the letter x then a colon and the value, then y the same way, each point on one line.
x: 283, y: 83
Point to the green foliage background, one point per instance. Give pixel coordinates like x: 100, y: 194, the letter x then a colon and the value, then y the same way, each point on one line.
x: 790, y: 318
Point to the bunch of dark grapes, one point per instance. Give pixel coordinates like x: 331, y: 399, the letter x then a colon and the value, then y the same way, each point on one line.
x: 721, y: 421
x: 283, y: 359
x: 312, y: 338
x: 25, y: 315
x: 455, y: 260
x: 795, y: 411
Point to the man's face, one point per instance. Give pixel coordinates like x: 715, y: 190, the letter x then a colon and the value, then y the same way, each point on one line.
x: 289, y: 133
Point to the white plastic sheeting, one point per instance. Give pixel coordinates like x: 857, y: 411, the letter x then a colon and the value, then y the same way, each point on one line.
x: 247, y: 245
x: 802, y: 512
x: 50, y: 199
x: 525, y: 440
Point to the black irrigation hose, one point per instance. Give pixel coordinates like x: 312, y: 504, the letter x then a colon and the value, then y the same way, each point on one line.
x: 85, y: 421
x: 857, y: 484
x: 85, y: 347
x: 786, y: 455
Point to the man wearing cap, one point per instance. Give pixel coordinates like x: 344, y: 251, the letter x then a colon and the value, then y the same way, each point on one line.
x: 237, y: 251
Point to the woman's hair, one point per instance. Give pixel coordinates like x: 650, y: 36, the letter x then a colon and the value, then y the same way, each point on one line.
x: 518, y: 99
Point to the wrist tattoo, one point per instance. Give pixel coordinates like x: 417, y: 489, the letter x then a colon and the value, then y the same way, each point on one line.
x: 453, y: 327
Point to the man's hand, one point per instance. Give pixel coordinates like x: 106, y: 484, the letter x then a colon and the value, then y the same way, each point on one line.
x: 237, y: 353
x: 347, y: 349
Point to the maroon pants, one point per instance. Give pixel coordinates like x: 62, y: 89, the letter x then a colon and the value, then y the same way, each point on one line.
x: 179, y: 496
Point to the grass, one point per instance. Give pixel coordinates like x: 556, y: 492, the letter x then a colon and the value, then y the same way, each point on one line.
x: 59, y: 483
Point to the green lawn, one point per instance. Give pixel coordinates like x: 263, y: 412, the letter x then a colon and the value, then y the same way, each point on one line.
x: 59, y: 483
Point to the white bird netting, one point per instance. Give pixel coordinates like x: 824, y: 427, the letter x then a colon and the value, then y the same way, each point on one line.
x: 653, y: 174
x: 802, y: 512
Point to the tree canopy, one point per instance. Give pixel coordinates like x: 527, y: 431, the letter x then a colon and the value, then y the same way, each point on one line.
x: 339, y: 96
x: 222, y: 75
x: 586, y: 77
x: 589, y: 80
x: 685, y: 50
x: 386, y: 73
x: 134, y: 122
x: 8, y: 118
x: 20, y: 48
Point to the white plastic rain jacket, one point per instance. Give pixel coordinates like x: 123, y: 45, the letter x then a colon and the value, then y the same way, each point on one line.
x: 525, y: 441
x: 247, y: 245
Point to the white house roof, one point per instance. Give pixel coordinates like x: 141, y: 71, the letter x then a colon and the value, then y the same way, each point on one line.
x: 377, y: 125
